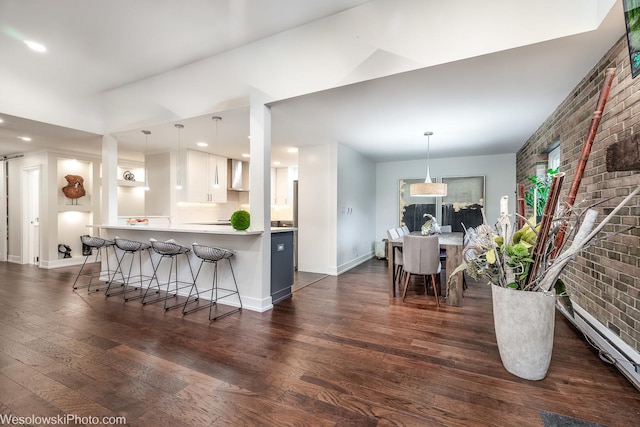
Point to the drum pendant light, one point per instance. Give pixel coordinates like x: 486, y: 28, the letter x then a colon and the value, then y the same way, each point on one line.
x: 428, y: 188
x: 146, y: 147
x: 216, y: 181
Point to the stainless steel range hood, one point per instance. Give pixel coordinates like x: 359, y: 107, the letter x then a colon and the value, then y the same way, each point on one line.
x: 238, y: 176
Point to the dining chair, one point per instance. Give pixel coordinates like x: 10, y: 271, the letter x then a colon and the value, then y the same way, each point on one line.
x: 392, y: 234
x: 398, y: 261
x: 421, y: 256
x: 443, y: 252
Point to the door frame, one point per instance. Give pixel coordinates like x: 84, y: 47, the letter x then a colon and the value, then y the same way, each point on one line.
x: 31, y: 189
x: 4, y: 232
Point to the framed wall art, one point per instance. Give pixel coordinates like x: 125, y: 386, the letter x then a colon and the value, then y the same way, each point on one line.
x: 412, y: 209
x: 463, y: 203
x: 632, y: 21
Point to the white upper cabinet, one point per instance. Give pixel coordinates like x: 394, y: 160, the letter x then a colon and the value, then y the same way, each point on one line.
x: 282, y: 185
x: 201, y: 177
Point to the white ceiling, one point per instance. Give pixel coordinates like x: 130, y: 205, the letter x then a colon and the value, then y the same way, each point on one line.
x: 373, y: 75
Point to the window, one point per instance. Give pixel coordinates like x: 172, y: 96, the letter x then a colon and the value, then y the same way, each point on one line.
x: 553, y: 161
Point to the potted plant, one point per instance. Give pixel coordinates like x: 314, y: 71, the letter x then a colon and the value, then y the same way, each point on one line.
x: 537, y: 194
x: 523, y: 267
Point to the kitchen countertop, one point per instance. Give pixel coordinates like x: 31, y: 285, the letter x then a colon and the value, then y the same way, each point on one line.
x: 192, y: 228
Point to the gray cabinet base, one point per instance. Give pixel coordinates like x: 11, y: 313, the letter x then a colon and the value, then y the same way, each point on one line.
x: 281, y: 266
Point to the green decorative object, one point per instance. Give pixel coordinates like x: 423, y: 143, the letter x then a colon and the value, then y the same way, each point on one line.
x: 539, y: 192
x: 240, y: 220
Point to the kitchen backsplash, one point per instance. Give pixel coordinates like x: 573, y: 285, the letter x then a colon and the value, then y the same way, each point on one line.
x: 203, y: 212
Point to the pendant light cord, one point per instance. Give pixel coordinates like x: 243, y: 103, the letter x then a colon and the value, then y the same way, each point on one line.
x: 428, y: 177
x: 216, y: 181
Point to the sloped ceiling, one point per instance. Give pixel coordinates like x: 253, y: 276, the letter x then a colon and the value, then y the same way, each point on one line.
x: 369, y: 74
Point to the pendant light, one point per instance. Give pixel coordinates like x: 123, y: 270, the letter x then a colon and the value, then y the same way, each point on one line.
x: 178, y: 182
x: 428, y: 188
x: 216, y: 181
x: 146, y: 146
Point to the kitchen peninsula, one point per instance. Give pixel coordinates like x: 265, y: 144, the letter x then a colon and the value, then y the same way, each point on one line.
x: 245, y: 244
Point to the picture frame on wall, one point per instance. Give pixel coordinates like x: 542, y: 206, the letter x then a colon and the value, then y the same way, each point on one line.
x: 413, y: 209
x: 464, y: 202
x: 632, y: 22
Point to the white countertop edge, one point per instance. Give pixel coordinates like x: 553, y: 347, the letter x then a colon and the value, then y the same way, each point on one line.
x: 282, y: 229
x: 192, y: 228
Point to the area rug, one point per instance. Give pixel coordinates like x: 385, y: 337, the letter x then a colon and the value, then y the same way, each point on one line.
x: 556, y: 420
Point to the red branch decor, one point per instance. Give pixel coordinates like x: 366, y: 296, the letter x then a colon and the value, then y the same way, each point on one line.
x: 586, y: 150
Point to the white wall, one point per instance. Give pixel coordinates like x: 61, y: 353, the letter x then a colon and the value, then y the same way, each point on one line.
x: 316, y: 212
x: 346, y: 202
x: 356, y: 207
x: 500, y: 180
x: 156, y: 201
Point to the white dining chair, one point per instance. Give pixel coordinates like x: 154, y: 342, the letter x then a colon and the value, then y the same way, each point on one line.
x: 421, y: 255
x: 392, y: 234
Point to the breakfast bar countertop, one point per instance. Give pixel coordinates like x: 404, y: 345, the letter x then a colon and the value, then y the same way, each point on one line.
x: 191, y: 228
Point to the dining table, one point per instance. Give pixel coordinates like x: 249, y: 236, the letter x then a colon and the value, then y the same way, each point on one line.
x: 453, y: 244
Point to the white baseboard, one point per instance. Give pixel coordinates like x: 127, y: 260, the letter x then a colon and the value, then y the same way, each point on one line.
x: 611, y: 347
x: 62, y: 262
x: 353, y: 263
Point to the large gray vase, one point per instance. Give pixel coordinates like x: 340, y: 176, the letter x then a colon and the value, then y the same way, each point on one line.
x: 524, y: 324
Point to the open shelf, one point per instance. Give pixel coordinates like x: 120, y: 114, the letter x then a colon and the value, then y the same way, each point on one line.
x: 125, y: 183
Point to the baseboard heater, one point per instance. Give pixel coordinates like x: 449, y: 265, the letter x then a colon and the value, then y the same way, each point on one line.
x: 611, y: 348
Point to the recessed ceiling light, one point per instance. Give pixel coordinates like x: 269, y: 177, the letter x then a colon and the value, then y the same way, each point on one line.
x: 202, y: 144
x: 35, y: 46
x: 276, y: 163
x: 25, y: 138
x: 292, y: 150
x: 246, y: 155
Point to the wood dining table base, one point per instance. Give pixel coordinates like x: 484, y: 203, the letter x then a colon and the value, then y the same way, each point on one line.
x: 454, y: 283
x: 452, y: 243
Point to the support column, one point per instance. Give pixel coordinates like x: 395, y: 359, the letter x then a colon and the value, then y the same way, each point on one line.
x: 109, y: 199
x: 260, y: 186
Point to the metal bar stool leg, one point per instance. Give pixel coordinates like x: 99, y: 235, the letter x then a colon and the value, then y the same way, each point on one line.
x: 139, y: 278
x: 98, y: 244
x: 171, y: 251
x: 156, y: 291
x: 131, y: 248
x: 117, y: 271
x: 197, y: 298
x: 237, y: 309
x: 213, y: 255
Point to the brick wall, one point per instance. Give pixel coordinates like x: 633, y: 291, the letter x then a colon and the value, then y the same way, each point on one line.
x: 605, y: 279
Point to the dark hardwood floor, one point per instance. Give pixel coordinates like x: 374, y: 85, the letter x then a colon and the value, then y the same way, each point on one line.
x: 337, y: 353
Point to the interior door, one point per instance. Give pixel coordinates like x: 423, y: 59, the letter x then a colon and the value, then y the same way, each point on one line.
x: 31, y: 208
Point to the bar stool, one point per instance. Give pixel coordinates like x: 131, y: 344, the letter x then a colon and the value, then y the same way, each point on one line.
x: 169, y: 250
x: 212, y: 255
x: 131, y: 248
x: 98, y: 244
